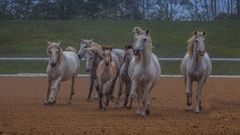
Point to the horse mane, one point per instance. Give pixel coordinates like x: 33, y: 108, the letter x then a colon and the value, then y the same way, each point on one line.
x: 70, y: 49
x: 60, y: 57
x: 190, y: 46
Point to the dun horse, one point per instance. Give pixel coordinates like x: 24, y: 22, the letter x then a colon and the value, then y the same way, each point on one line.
x: 106, y: 72
x: 117, y: 57
x: 196, y: 66
x: 62, y: 66
x: 144, y: 71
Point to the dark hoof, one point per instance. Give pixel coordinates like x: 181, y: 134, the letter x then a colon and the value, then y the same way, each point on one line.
x: 147, y: 112
x: 45, y: 103
x: 88, y: 99
x: 51, y: 102
x: 188, y: 104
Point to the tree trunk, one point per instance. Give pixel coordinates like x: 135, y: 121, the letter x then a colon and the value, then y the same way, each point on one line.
x: 238, y: 8
x: 206, y: 8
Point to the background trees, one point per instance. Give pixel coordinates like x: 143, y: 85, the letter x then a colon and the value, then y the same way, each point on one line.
x: 170, y: 10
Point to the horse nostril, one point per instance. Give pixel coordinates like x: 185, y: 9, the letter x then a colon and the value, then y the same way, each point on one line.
x: 79, y: 56
x: 107, y: 63
x: 87, y: 69
x: 53, y: 64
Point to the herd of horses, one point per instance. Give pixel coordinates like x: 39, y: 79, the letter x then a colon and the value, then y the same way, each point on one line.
x: 136, y: 67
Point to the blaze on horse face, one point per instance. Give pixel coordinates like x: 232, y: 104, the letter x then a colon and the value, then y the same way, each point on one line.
x: 200, y: 42
x: 106, y: 55
x: 54, y: 53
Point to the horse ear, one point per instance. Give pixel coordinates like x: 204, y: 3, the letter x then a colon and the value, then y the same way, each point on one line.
x: 147, y: 32
x: 111, y: 48
x: 49, y: 43
x: 195, y: 32
x: 126, y: 47
x: 59, y: 43
x: 204, y: 34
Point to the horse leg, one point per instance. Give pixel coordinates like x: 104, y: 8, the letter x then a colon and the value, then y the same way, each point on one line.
x: 147, y: 89
x: 119, y: 92
x: 100, y: 95
x: 128, y: 87
x: 112, y: 85
x: 134, y: 87
x: 97, y: 89
x: 90, y: 87
x: 55, y: 88
x: 189, y: 93
x: 199, y: 96
x: 48, y: 91
x: 72, y: 90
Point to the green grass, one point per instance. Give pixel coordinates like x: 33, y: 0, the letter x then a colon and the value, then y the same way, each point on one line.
x: 29, y: 38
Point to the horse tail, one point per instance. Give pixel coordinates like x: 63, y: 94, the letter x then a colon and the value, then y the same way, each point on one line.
x: 70, y: 49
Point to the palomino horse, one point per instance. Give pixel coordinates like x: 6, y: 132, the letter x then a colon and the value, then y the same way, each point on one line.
x: 124, y: 77
x: 117, y: 56
x: 144, y: 71
x: 106, y: 72
x: 196, y: 66
x: 62, y: 66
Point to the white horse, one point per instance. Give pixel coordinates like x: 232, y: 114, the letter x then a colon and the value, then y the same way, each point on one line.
x: 196, y: 66
x: 144, y: 71
x: 62, y: 66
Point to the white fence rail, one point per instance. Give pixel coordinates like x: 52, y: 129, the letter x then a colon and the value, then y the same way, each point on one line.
x: 160, y: 59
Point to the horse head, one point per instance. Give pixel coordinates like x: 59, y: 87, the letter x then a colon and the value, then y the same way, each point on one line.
x: 199, y: 42
x: 128, y: 53
x: 141, y: 42
x: 106, y: 54
x: 54, y: 52
x: 83, y: 45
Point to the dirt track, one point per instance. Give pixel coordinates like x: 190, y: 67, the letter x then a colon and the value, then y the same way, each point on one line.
x: 22, y: 110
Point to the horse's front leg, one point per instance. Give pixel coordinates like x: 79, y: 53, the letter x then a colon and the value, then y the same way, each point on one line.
x: 134, y: 87
x: 48, y: 91
x: 112, y: 85
x: 188, y: 92
x: 147, y: 88
x: 72, y: 90
x: 90, y: 87
x: 100, y: 95
x: 119, y: 92
x: 55, y: 88
x: 199, y: 96
x: 128, y: 88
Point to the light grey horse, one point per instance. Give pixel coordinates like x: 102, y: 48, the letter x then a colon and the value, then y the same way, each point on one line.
x: 196, y: 66
x: 144, y: 71
x: 96, y: 49
x: 124, y: 78
x: 62, y: 66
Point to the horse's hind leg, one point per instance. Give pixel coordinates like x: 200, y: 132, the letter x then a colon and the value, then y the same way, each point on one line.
x: 72, y: 90
x: 48, y: 91
x: 199, y: 96
x: 189, y: 93
x: 128, y: 87
x: 134, y: 87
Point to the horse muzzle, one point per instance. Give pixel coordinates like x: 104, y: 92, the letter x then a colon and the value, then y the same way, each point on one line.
x: 137, y: 52
x: 201, y: 52
x: 87, y: 69
x: 53, y: 64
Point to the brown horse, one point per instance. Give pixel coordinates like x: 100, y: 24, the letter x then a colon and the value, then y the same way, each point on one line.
x: 106, y: 72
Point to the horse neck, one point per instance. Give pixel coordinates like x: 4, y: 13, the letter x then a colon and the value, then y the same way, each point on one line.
x: 146, y: 56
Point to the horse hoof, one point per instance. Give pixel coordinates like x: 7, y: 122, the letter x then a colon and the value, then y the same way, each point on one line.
x: 88, y: 100
x: 189, y: 108
x: 128, y: 107
x: 197, y: 110
x: 147, y: 112
x: 45, y: 103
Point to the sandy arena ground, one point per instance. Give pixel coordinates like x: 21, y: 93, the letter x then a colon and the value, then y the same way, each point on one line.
x: 22, y: 110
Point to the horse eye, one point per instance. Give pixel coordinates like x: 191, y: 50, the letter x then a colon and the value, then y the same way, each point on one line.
x: 91, y: 57
x: 85, y: 46
x: 196, y: 41
x: 144, y: 39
